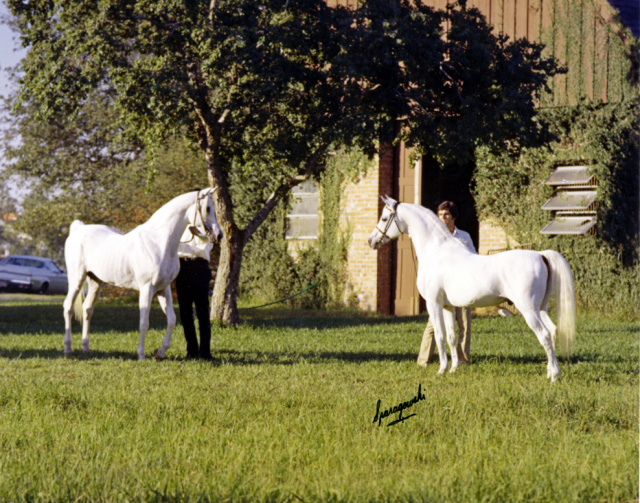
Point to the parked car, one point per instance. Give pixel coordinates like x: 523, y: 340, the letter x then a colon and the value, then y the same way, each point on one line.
x: 32, y: 274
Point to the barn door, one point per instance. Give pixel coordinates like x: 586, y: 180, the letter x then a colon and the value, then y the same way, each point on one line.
x: 407, y: 298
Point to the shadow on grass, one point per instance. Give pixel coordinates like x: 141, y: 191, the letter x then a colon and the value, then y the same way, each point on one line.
x: 46, y: 318
x: 54, y: 353
x: 223, y: 357
x: 31, y: 318
x: 281, y: 318
x: 239, y: 358
x: 233, y: 357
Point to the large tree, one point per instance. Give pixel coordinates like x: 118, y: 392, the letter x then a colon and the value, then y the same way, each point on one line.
x: 267, y: 88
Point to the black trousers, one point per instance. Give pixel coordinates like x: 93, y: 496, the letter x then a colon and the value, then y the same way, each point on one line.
x: 192, y: 287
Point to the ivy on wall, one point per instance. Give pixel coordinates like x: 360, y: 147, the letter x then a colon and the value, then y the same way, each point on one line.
x: 273, y: 271
x: 509, y: 187
x: 589, y: 44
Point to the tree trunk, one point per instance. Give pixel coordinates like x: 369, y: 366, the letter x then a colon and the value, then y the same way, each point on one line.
x: 224, y: 305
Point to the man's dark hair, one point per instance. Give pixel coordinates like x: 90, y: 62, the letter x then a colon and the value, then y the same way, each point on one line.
x: 451, y: 206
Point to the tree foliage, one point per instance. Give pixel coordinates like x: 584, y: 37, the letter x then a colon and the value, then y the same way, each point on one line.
x: 79, y: 168
x: 511, y: 189
x: 267, y: 88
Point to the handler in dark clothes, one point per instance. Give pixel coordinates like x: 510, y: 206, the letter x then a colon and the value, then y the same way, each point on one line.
x: 192, y: 287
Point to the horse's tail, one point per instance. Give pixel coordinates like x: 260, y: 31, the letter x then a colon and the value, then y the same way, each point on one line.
x: 561, y: 282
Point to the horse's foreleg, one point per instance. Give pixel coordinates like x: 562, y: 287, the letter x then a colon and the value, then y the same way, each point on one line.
x: 543, y: 334
x: 166, y: 303
x: 87, y: 311
x: 146, y: 296
x: 435, y: 313
x: 452, y: 336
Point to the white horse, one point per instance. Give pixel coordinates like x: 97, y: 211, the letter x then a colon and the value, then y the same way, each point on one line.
x: 145, y: 259
x: 450, y: 275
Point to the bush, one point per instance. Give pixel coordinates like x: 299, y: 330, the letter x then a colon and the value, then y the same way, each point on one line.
x: 510, y: 189
x: 270, y: 272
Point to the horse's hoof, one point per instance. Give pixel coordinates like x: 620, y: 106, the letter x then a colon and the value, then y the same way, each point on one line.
x: 85, y: 347
x: 158, y: 355
x: 442, y: 371
x: 141, y: 357
x: 453, y: 369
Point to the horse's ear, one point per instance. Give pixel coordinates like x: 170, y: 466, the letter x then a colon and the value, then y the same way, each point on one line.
x: 388, y: 201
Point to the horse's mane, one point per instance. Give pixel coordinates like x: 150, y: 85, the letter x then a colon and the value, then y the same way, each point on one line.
x: 159, y: 214
x: 432, y: 220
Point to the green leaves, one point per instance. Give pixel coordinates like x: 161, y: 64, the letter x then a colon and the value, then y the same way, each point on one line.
x: 266, y: 88
x: 296, y: 70
x: 510, y: 187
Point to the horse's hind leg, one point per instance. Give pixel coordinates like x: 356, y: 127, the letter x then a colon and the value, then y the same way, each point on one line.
x: 67, y: 307
x: 551, y: 326
x: 539, y: 327
x: 544, y: 314
x: 87, y: 310
x: 166, y: 303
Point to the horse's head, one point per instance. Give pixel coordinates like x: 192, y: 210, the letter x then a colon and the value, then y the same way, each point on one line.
x: 389, y: 227
x: 202, y: 221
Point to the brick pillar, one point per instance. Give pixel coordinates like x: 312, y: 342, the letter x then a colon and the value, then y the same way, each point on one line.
x: 369, y: 272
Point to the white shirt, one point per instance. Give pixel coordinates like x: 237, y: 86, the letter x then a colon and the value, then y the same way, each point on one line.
x: 464, y: 238
x: 192, y: 246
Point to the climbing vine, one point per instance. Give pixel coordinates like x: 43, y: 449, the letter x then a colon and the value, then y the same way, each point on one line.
x: 274, y: 269
x: 510, y: 189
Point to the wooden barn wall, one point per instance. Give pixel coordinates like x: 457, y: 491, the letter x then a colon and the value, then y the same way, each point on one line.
x: 581, y: 34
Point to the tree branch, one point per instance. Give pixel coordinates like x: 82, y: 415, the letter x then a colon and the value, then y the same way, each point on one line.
x: 213, y: 6
x: 454, y: 82
x: 311, y: 167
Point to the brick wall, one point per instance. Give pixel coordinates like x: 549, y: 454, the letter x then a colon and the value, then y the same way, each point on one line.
x: 369, y: 272
x: 493, y: 237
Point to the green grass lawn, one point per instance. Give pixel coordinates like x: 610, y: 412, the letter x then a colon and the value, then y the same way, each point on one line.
x: 285, y: 412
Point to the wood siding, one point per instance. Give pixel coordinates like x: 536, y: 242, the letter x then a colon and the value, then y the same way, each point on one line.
x: 584, y: 35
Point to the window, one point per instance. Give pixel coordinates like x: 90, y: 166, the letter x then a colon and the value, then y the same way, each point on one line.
x: 303, y: 217
x: 573, y: 203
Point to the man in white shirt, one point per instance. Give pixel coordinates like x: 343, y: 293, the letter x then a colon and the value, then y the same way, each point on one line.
x: 192, y: 287
x: 448, y: 212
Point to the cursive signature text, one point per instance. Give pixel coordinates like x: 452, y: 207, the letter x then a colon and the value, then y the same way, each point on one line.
x: 380, y: 415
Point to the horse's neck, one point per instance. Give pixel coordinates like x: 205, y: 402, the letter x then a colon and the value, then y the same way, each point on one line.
x: 425, y: 232
x: 170, y: 221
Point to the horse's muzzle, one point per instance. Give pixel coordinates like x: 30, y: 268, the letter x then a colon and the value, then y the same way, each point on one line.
x: 375, y: 240
x: 215, y: 234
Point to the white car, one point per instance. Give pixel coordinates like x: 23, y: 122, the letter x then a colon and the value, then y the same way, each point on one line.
x: 32, y: 274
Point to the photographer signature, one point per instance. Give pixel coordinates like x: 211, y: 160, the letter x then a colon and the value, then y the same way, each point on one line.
x: 380, y: 415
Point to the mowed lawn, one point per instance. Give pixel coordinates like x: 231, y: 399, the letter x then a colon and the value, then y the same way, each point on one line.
x: 286, y: 412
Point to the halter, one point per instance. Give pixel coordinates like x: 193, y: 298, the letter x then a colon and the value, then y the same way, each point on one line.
x: 392, y: 218
x: 198, y: 212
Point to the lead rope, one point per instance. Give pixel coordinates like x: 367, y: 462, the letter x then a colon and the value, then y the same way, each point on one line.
x: 195, y: 217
